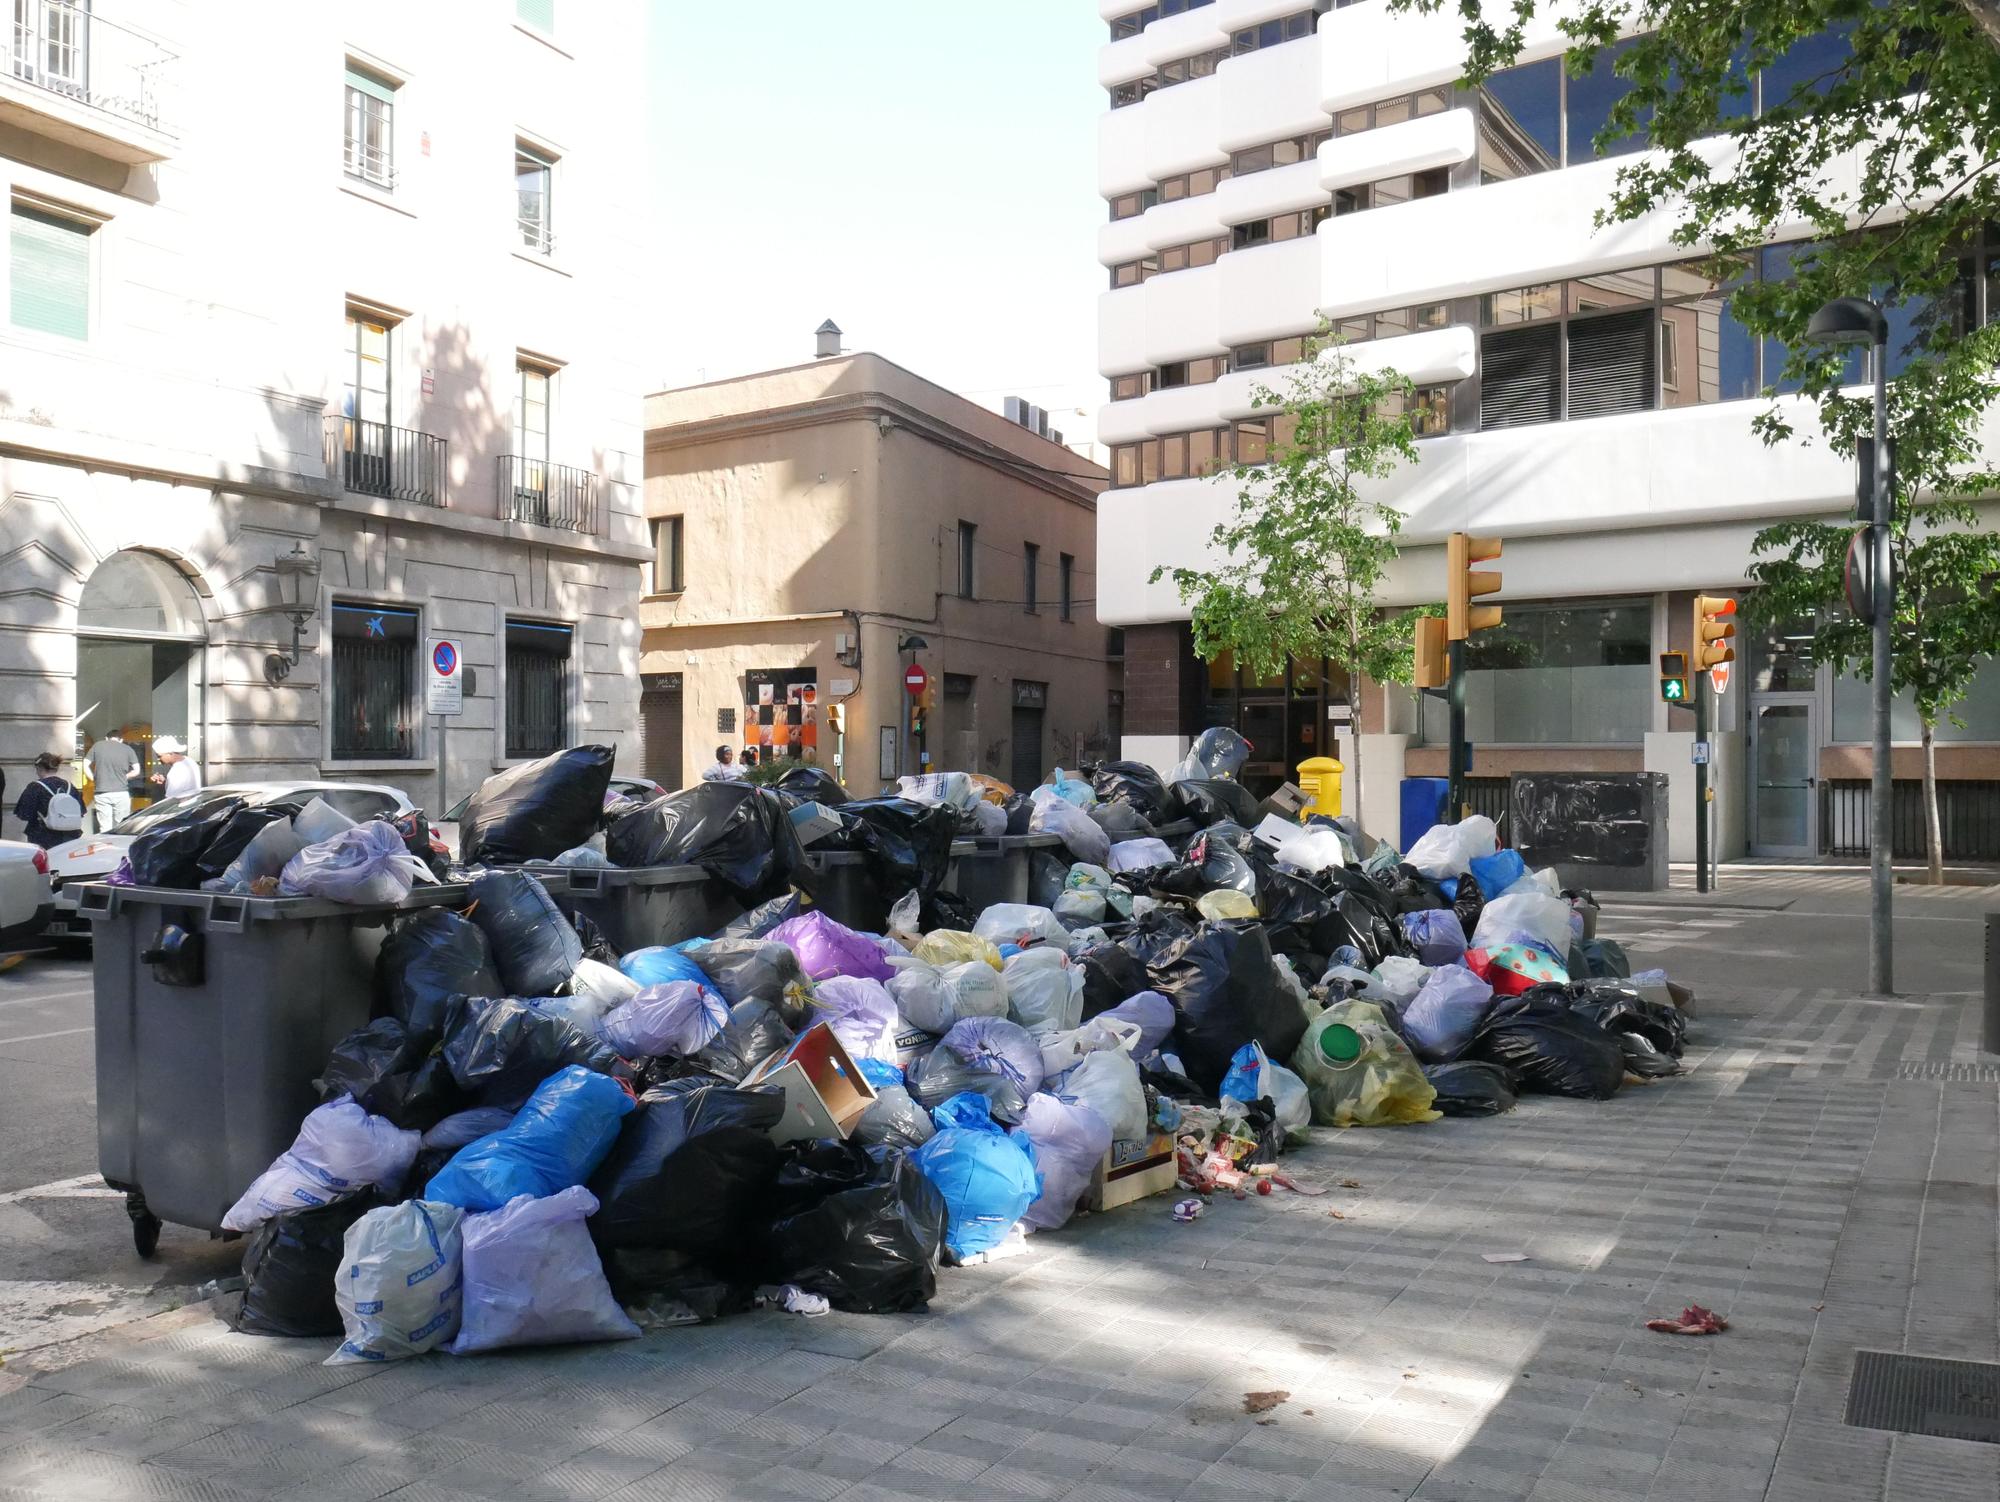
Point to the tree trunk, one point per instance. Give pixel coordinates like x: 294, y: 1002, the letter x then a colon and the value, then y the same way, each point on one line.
x: 1350, y: 803
x: 1933, y: 836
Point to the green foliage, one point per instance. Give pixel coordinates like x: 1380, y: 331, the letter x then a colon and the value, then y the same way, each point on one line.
x: 1305, y: 551
x: 1884, y: 162
x: 770, y: 768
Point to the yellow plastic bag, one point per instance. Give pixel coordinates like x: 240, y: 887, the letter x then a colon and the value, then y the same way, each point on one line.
x: 1359, y: 1073
x: 1226, y: 902
x: 951, y: 946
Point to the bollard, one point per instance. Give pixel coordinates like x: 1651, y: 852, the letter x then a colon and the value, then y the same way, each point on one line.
x: 1989, y: 1033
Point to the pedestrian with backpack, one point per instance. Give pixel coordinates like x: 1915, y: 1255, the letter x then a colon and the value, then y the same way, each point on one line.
x: 49, y: 806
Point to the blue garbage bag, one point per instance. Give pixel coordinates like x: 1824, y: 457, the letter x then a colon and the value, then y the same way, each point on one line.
x: 557, y: 1139
x: 879, y: 1074
x: 988, y: 1179
x: 658, y: 965
x: 1498, y: 871
x: 1437, y: 935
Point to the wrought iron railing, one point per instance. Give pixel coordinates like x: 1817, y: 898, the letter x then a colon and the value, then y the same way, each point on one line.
x: 372, y: 164
x: 61, y: 46
x: 1968, y: 819
x: 399, y: 464
x: 549, y: 495
x: 537, y: 238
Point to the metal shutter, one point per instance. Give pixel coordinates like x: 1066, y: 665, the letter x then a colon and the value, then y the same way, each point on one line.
x: 1519, y: 376
x: 1611, y: 366
x: 50, y: 274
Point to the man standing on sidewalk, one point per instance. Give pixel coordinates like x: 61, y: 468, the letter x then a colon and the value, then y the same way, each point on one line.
x: 111, y: 764
x: 181, y: 776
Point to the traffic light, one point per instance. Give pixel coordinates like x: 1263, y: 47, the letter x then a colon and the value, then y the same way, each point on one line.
x: 1714, y: 626
x: 1432, y: 671
x: 1466, y: 583
x: 834, y: 716
x: 920, y: 707
x: 1674, y: 677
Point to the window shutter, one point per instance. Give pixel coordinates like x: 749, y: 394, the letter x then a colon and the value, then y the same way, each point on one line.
x: 50, y: 274
x: 1518, y: 376
x: 369, y: 84
x: 1611, y: 365
x: 540, y: 14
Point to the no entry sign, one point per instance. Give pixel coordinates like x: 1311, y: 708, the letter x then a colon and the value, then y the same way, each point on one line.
x: 915, y: 679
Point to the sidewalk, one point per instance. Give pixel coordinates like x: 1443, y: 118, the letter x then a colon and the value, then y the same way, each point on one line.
x: 1824, y: 1177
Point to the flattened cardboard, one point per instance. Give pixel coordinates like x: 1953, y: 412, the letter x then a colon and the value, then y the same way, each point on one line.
x: 825, y: 1094
x: 811, y: 821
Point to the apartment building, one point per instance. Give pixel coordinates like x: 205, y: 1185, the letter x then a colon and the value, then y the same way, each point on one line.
x: 1582, y: 393
x: 318, y: 349
x: 823, y: 528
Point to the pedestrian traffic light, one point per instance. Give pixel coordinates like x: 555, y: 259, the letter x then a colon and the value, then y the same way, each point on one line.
x: 1464, y: 583
x: 1714, y: 626
x: 1674, y: 677
x: 1432, y: 670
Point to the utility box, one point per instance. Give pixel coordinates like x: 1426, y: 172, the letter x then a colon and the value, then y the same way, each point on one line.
x: 1319, y: 781
x: 1605, y: 831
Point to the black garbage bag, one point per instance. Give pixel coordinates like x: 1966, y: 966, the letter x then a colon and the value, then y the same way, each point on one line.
x: 764, y: 917
x: 907, y: 846
x: 1414, y: 892
x: 1163, y: 1081
x: 894, y: 1119
x: 1138, y: 787
x: 689, y: 1170
x: 1120, y: 822
x: 1216, y: 801
x: 1618, y: 1007
x: 1020, y: 811
x: 426, y: 959
x: 946, y: 909
x: 1302, y: 916
x: 591, y: 937
x: 753, y: 970
x: 498, y: 1051
x: 169, y: 854
x: 1471, y: 1087
x: 1111, y: 974
x: 813, y: 785
x: 869, y: 1242
x: 1645, y: 1060
x: 236, y: 832
x: 742, y: 836
x: 672, y: 1288
x: 1219, y: 863
x: 1048, y: 871
x: 533, y: 946
x: 1469, y: 903
x: 989, y: 1056
x: 1225, y: 993
x: 755, y: 1030
x: 1550, y: 1050
x: 536, y: 811
x: 1605, y: 959
x: 288, y: 1269
x: 393, y: 1072
x: 1374, y: 934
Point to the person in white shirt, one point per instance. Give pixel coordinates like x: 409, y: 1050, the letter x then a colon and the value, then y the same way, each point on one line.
x: 724, y: 768
x: 181, y: 776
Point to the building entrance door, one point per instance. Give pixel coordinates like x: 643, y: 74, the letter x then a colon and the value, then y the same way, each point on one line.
x: 1784, y: 782
x: 662, y: 726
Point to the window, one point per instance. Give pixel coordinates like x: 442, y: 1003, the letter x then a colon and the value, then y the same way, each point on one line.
x: 1574, y: 673
x: 364, y: 402
x: 1191, y: 184
x: 1169, y: 376
x: 1256, y: 232
x: 1285, y: 29
x: 1611, y: 364
x: 1388, y: 191
x: 1132, y: 273
x: 669, y: 555
x: 534, y: 177
x: 1031, y: 559
x: 1520, y: 376
x: 1199, y: 253
x: 1131, y: 205
x: 538, y: 656
x: 968, y: 557
x: 1285, y: 153
x: 1126, y: 387
x: 531, y: 410
x: 1066, y: 584
x: 1392, y: 111
x: 374, y: 682
x: 371, y: 144
x: 1520, y: 121
x: 1587, y: 108
x: 49, y: 273
x: 540, y: 14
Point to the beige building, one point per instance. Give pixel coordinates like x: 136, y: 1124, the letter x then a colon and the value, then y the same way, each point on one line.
x: 809, y: 522
x: 348, y: 287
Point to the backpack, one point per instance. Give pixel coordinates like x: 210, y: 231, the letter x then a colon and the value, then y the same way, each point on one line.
x: 65, y: 811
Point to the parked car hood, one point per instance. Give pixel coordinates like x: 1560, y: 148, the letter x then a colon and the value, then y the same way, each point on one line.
x: 89, y: 858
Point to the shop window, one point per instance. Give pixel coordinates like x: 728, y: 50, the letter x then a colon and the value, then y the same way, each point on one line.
x: 1574, y: 673
x: 375, y: 711
x: 538, y: 669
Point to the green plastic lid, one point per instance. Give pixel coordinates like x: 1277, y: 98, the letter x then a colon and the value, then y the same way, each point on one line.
x: 1340, y: 1044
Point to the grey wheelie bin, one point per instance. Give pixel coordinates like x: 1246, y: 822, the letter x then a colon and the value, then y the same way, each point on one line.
x: 214, y: 1014
x: 995, y: 868
x: 846, y: 891
x: 644, y: 905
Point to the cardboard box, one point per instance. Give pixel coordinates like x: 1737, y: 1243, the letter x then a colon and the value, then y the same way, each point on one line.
x: 825, y: 1094
x: 1275, y: 830
x: 1132, y: 1171
x: 811, y: 821
x: 1287, y: 803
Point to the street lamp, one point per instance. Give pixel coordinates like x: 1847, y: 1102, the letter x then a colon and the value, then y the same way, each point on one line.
x: 297, y: 571
x: 1855, y: 320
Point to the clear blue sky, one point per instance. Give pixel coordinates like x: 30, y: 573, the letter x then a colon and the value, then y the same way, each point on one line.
x: 923, y: 172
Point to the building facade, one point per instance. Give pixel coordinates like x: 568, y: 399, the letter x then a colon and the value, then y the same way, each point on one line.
x: 345, y: 290
x: 1582, y: 393
x: 812, y: 525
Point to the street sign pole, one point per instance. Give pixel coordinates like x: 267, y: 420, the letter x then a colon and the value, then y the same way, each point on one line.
x: 1458, y: 768
x: 444, y: 696
x: 1697, y: 683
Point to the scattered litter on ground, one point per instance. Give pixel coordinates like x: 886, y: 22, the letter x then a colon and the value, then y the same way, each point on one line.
x: 1264, y: 1402
x: 1503, y: 1256
x: 1694, y: 1320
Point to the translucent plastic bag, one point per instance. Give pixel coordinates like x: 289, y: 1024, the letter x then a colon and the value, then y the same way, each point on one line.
x: 1152, y: 1013
x: 1225, y: 902
x: 1044, y: 990
x: 1315, y: 848
x: 1140, y: 855
x: 340, y: 1150
x: 952, y: 789
x: 826, y: 948
x: 1108, y: 1082
x: 1021, y: 925
x: 1498, y: 871
x: 658, y: 965
x: 1083, y: 835
x: 600, y: 985
x: 1543, y: 918
x: 894, y: 1119
x: 365, y: 866
x: 1436, y: 933
x: 320, y: 820
x: 987, y: 1178
x: 948, y: 946
x: 1070, y: 1140
x: 1086, y: 878
x: 1441, y: 1019
x: 1449, y: 849
x: 557, y: 1139
x: 1399, y: 977
x: 670, y: 1021
x: 987, y: 1055
x: 933, y: 998
x: 862, y: 1015
x: 1062, y: 1052
x: 1358, y: 1072
x: 270, y: 850
x: 533, y: 1278
x: 399, y: 1287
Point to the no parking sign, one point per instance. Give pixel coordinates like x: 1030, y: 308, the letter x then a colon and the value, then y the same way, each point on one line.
x: 445, y: 682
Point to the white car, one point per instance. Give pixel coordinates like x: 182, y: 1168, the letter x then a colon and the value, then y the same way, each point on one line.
x: 24, y: 892
x: 92, y: 857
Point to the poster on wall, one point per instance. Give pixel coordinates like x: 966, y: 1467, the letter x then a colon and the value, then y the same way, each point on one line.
x: 781, y: 711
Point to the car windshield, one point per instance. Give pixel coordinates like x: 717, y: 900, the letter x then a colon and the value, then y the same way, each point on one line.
x: 157, y: 813
x: 457, y: 811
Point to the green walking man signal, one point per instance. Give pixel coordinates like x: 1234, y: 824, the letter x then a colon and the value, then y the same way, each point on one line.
x: 1674, y: 677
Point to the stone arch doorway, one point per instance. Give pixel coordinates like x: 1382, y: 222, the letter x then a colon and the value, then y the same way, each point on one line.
x: 141, y: 649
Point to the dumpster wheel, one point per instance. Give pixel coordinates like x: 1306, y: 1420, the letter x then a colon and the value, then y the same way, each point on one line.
x: 145, y: 1224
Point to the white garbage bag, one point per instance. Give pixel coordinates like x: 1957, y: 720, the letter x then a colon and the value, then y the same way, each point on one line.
x: 320, y: 820
x: 340, y: 1150
x: 933, y: 997
x: 671, y: 1020
x: 1447, y: 850
x: 1400, y: 978
x: 533, y: 1278
x: 1070, y: 1140
x: 1021, y: 925
x: 1542, y: 918
x: 1044, y: 990
x: 366, y: 866
x: 1140, y: 855
x: 1316, y: 848
x: 1084, y: 836
x: 1108, y: 1082
x: 602, y: 985
x: 399, y: 1287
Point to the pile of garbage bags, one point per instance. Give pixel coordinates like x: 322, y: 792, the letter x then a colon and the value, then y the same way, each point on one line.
x: 538, y: 1139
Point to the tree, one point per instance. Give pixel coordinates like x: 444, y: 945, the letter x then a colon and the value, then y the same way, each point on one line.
x: 1304, y: 553
x: 1887, y: 157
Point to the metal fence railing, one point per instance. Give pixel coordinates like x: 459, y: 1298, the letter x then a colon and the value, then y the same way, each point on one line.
x: 549, y: 495
x: 61, y: 46
x: 1968, y: 819
x: 398, y: 464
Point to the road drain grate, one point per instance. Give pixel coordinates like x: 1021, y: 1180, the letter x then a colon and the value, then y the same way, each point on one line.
x: 1925, y: 1395
x: 1971, y: 1074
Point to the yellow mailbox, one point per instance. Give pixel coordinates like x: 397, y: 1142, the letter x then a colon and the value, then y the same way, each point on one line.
x: 1319, y: 780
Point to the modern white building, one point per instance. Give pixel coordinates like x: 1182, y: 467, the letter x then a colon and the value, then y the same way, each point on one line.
x: 1583, y: 393
x: 331, y: 307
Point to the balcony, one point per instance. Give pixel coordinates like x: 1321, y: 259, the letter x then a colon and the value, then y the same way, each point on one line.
x: 398, y: 464
x: 549, y: 495
x: 80, y: 78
